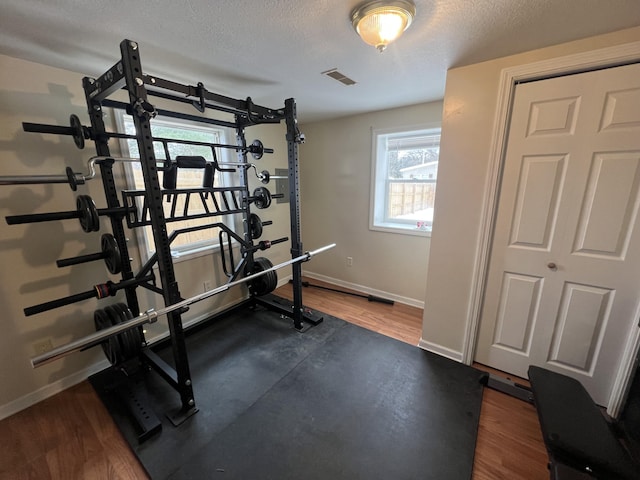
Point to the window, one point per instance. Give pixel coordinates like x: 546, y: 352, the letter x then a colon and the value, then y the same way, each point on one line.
x: 191, y: 243
x: 405, y: 170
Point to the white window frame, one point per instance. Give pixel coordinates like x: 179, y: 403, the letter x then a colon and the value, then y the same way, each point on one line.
x: 144, y: 235
x: 378, y: 220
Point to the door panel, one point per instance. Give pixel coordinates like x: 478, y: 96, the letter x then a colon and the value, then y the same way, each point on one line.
x: 610, y: 205
x: 563, y: 281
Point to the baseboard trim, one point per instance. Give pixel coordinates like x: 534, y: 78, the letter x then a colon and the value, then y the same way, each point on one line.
x: 50, y: 390
x: 366, y: 290
x: 440, y: 350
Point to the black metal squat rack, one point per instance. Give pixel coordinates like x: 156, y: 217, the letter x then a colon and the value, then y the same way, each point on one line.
x: 141, y: 208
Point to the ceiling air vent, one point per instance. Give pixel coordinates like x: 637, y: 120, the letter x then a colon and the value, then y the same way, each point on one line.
x: 340, y: 77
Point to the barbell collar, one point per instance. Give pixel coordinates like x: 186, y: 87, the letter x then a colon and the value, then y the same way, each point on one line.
x: 151, y: 315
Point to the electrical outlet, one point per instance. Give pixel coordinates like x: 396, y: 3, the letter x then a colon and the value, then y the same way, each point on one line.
x: 207, y: 285
x: 42, y: 347
x: 349, y: 261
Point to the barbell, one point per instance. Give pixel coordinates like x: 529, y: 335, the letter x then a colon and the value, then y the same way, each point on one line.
x: 151, y: 316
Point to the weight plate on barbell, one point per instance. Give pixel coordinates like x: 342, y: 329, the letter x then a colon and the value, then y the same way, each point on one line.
x: 112, y: 257
x: 132, y: 336
x: 136, y: 332
x: 266, y: 283
x: 114, y: 316
x: 111, y: 346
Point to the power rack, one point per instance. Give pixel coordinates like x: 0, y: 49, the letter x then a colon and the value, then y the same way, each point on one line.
x: 145, y: 207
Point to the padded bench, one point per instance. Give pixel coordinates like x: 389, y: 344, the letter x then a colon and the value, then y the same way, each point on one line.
x: 580, y: 442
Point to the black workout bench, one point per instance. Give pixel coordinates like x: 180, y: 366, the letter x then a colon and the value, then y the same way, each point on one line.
x: 581, y: 443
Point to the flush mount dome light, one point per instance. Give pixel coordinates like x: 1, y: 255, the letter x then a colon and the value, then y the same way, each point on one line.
x: 381, y: 22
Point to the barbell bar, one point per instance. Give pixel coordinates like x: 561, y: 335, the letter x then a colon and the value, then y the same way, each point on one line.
x: 151, y: 316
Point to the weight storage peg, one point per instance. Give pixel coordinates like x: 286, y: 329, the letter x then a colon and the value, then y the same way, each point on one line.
x: 75, y: 129
x: 102, y: 290
x: 257, y: 149
x: 262, y: 197
x: 110, y: 253
x: 255, y: 226
x: 264, y: 244
x: 264, y: 176
x: 86, y: 212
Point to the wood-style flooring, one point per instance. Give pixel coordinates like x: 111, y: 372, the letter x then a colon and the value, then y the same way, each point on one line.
x: 72, y: 436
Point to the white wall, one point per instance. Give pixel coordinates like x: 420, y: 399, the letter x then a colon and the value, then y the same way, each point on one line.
x: 335, y: 182
x: 470, y: 103
x: 36, y: 93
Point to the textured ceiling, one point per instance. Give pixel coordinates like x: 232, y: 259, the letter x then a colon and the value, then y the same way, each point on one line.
x: 276, y: 49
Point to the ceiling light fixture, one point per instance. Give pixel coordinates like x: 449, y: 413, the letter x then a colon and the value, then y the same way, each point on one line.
x: 381, y: 22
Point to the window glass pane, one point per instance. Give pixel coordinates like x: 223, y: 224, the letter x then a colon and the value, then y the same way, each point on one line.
x: 406, y: 172
x: 187, y: 178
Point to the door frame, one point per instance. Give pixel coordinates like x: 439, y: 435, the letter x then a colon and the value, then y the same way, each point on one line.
x: 607, y: 57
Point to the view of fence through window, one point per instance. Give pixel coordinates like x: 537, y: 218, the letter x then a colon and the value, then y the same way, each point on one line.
x: 406, y: 174
x: 187, y: 178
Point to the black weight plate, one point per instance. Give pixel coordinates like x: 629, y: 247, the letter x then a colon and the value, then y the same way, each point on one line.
x: 265, y: 283
x: 112, y: 258
x: 85, y: 215
x: 114, y: 315
x: 262, y: 197
x: 111, y: 346
x: 257, y: 149
x: 128, y: 335
x: 132, y: 335
x: 94, y: 214
x: 78, y: 134
x: 255, y: 226
x: 136, y: 333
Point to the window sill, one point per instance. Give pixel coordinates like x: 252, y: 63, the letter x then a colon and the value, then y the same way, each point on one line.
x: 401, y: 229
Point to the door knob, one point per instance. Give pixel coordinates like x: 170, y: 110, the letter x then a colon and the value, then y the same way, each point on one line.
x: 552, y: 266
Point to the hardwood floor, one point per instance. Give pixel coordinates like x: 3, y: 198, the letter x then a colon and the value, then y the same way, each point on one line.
x: 72, y: 436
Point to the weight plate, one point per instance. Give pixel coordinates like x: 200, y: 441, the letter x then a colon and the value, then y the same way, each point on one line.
x: 255, y: 226
x: 111, y: 252
x: 78, y: 134
x: 257, y: 149
x: 84, y: 213
x: 129, y: 336
x: 114, y: 315
x: 136, y: 332
x: 111, y: 346
x: 265, y: 283
x: 266, y: 176
x: 94, y: 214
x: 87, y: 214
x: 262, y: 197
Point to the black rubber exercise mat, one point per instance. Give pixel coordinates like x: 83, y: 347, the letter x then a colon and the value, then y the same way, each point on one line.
x: 334, y: 402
